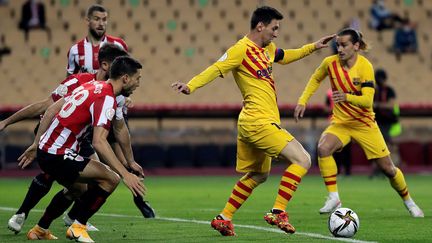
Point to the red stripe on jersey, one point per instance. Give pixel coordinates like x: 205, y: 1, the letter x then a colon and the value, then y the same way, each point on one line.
x: 284, y: 194
x: 244, y: 187
x: 81, y: 54
x: 238, y: 194
x: 67, y: 144
x: 355, y: 109
x: 347, y: 77
x: 332, y: 84
x: 258, y: 54
x: 113, y: 39
x: 288, y: 185
x: 349, y: 113
x: 292, y: 176
x: 234, y: 203
x: 335, y: 68
x: 52, y: 138
x: 249, y: 68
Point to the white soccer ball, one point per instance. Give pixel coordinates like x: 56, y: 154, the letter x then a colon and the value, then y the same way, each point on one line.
x: 343, y: 222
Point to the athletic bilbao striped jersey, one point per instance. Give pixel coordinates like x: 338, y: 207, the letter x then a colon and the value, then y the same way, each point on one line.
x: 72, y: 82
x: 92, y: 104
x: 83, y: 56
x: 252, y: 68
x: 352, y: 81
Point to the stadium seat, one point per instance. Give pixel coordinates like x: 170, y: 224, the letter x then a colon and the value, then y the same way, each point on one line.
x: 412, y: 153
x: 358, y: 157
x: 428, y: 153
x: 207, y: 155
x: 150, y: 155
x: 180, y: 156
x: 12, y: 152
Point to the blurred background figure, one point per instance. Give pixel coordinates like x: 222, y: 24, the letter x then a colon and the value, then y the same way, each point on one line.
x: 381, y: 17
x: 387, y: 115
x: 33, y: 17
x: 405, y: 39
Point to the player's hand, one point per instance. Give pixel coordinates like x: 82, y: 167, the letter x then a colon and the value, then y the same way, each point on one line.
x: 299, y: 112
x: 323, y: 42
x: 28, y: 156
x: 134, y: 184
x: 180, y: 87
x: 128, y: 102
x: 338, y: 96
x: 2, y: 125
x: 135, y: 167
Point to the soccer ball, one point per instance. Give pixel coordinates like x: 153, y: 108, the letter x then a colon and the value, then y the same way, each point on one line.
x: 343, y: 222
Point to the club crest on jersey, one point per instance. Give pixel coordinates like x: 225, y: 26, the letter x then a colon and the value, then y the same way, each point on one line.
x: 61, y: 90
x: 356, y: 81
x: 110, y: 113
x: 223, y: 57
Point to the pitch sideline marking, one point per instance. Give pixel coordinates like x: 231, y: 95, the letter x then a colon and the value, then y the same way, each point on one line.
x: 312, y: 235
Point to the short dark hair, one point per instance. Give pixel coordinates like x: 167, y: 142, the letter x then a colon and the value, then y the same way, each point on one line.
x: 124, y: 65
x: 264, y: 14
x: 109, y: 51
x: 94, y: 8
x: 380, y: 74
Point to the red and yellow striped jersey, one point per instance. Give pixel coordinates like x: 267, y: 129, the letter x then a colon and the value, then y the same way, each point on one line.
x: 357, y: 82
x: 252, y: 68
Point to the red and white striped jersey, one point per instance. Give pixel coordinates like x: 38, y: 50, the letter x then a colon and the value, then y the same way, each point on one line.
x: 83, y: 56
x: 72, y: 82
x: 92, y: 104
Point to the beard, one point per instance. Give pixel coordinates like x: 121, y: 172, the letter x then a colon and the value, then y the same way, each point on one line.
x: 96, y: 35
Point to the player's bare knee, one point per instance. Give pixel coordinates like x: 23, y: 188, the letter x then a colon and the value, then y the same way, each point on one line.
x: 110, y: 181
x: 305, y: 161
x: 259, y: 177
x: 324, y: 150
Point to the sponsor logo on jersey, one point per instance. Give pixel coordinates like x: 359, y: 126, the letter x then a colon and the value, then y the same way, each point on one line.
x: 110, y: 113
x: 223, y: 57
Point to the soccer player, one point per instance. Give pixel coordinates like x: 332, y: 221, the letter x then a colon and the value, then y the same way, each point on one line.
x: 42, y: 183
x: 260, y: 136
x: 63, y: 125
x: 352, y: 80
x: 82, y: 56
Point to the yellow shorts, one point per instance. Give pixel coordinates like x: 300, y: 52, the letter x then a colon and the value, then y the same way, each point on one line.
x: 258, y: 144
x: 369, y: 138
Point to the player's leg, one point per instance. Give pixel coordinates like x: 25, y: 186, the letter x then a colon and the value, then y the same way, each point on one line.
x: 58, y: 205
x: 39, y: 187
x: 92, y: 200
x: 144, y: 206
x: 256, y: 165
x: 332, y: 140
x: 283, y: 145
x: 376, y: 150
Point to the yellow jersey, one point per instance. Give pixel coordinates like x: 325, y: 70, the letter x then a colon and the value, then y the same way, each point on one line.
x: 358, y: 83
x: 252, y: 68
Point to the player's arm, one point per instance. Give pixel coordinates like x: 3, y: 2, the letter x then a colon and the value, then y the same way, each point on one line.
x: 365, y: 100
x: 122, y: 136
x: 27, y: 112
x: 30, y: 154
x: 310, y: 89
x: 290, y: 55
x: 104, y: 150
x: 230, y: 60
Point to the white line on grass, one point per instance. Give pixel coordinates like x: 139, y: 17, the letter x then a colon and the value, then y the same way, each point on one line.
x: 312, y: 235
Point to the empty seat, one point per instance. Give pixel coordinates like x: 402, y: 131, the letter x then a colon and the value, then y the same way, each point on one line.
x: 150, y: 156
x: 412, y: 153
x: 180, y: 156
x: 207, y: 155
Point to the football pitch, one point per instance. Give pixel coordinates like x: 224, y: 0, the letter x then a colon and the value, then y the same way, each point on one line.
x: 185, y: 206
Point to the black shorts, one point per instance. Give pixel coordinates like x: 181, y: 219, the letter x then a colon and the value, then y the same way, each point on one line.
x: 86, y: 147
x: 65, y: 168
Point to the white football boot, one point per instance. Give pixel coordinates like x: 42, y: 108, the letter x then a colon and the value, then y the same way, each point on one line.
x: 414, y: 210
x: 16, y: 222
x: 330, y: 205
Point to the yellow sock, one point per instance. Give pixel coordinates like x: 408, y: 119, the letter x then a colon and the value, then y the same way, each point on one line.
x: 328, y: 171
x: 288, y: 185
x: 399, y: 184
x: 242, y: 190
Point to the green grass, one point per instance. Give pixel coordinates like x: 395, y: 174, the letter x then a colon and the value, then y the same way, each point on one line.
x: 383, y: 217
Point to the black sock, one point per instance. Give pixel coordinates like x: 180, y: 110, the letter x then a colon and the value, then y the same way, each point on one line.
x: 39, y: 187
x: 91, y: 201
x: 58, y: 205
x: 144, y: 207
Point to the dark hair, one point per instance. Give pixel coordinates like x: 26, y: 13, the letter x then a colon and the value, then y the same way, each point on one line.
x: 264, y: 14
x: 356, y: 36
x: 94, y: 8
x: 380, y: 74
x: 124, y: 65
x: 109, y: 51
